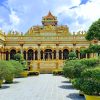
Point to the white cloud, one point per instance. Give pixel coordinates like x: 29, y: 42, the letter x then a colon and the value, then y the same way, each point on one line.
x: 81, y: 16
x: 14, y: 19
x: 23, y: 14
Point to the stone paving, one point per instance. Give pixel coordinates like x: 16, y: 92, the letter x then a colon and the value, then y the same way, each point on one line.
x: 42, y: 87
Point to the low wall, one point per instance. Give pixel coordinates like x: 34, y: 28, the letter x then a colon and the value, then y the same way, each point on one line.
x: 46, y: 66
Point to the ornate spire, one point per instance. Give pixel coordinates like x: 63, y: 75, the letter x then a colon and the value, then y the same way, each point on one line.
x: 49, y: 20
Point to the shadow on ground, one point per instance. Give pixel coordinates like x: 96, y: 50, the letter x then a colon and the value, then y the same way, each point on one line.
x: 75, y: 96
x: 69, y: 86
x: 66, y: 82
x: 15, y: 82
x: 4, y: 87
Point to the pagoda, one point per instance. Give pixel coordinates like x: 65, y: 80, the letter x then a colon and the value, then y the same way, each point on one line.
x: 49, y: 20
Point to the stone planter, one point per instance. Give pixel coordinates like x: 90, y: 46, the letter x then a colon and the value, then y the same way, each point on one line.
x: 1, y: 81
x: 81, y: 93
x: 24, y: 74
x: 90, y: 97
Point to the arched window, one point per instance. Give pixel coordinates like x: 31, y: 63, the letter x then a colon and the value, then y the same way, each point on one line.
x: 48, y: 54
x: 12, y: 53
x: 30, y: 54
x: 65, y: 54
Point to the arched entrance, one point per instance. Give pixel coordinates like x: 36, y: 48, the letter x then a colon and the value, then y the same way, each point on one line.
x: 12, y: 53
x: 65, y: 54
x: 48, y: 54
x: 30, y: 54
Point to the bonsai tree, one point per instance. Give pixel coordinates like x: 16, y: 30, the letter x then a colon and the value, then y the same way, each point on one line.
x: 72, y: 55
x: 93, y: 32
x: 18, y: 57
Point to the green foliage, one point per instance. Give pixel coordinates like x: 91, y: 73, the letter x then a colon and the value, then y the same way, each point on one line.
x: 94, y: 31
x: 89, y: 82
x: 18, y: 67
x: 92, y: 62
x: 24, y: 63
x: 90, y: 87
x: 92, y: 74
x: 72, y: 55
x: 73, y: 69
x: 8, y: 68
x: 9, y: 71
x: 18, y: 57
x: 57, y: 72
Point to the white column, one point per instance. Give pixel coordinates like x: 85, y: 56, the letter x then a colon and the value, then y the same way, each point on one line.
x: 62, y: 55
x: 74, y: 47
x: 34, y: 55
x: 21, y: 49
x: 57, y: 51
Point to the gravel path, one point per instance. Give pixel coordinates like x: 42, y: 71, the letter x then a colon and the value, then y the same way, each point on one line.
x: 42, y: 87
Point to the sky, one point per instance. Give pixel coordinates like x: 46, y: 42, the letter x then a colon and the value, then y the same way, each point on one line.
x: 20, y: 15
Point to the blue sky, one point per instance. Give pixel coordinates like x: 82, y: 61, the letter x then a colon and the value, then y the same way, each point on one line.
x: 20, y: 15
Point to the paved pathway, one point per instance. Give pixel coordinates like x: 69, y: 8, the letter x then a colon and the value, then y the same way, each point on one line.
x: 42, y: 87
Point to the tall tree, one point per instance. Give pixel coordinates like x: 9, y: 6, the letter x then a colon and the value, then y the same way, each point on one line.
x: 94, y: 31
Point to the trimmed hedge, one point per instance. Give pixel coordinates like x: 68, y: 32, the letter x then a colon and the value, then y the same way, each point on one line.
x: 74, y: 68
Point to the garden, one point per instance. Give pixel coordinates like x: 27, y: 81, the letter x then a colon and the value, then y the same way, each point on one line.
x: 16, y: 68
x: 84, y: 74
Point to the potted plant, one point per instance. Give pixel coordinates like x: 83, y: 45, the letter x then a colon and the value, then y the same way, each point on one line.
x: 9, y: 72
x: 18, y: 67
x: 89, y: 83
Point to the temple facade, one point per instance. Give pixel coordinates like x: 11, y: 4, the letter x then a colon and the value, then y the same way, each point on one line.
x: 43, y: 45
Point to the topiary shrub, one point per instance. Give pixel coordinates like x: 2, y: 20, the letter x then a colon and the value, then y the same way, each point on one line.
x: 73, y: 69
x: 89, y: 82
x: 18, y: 57
x: 92, y: 62
x: 18, y: 67
x: 72, y: 55
x: 9, y: 71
